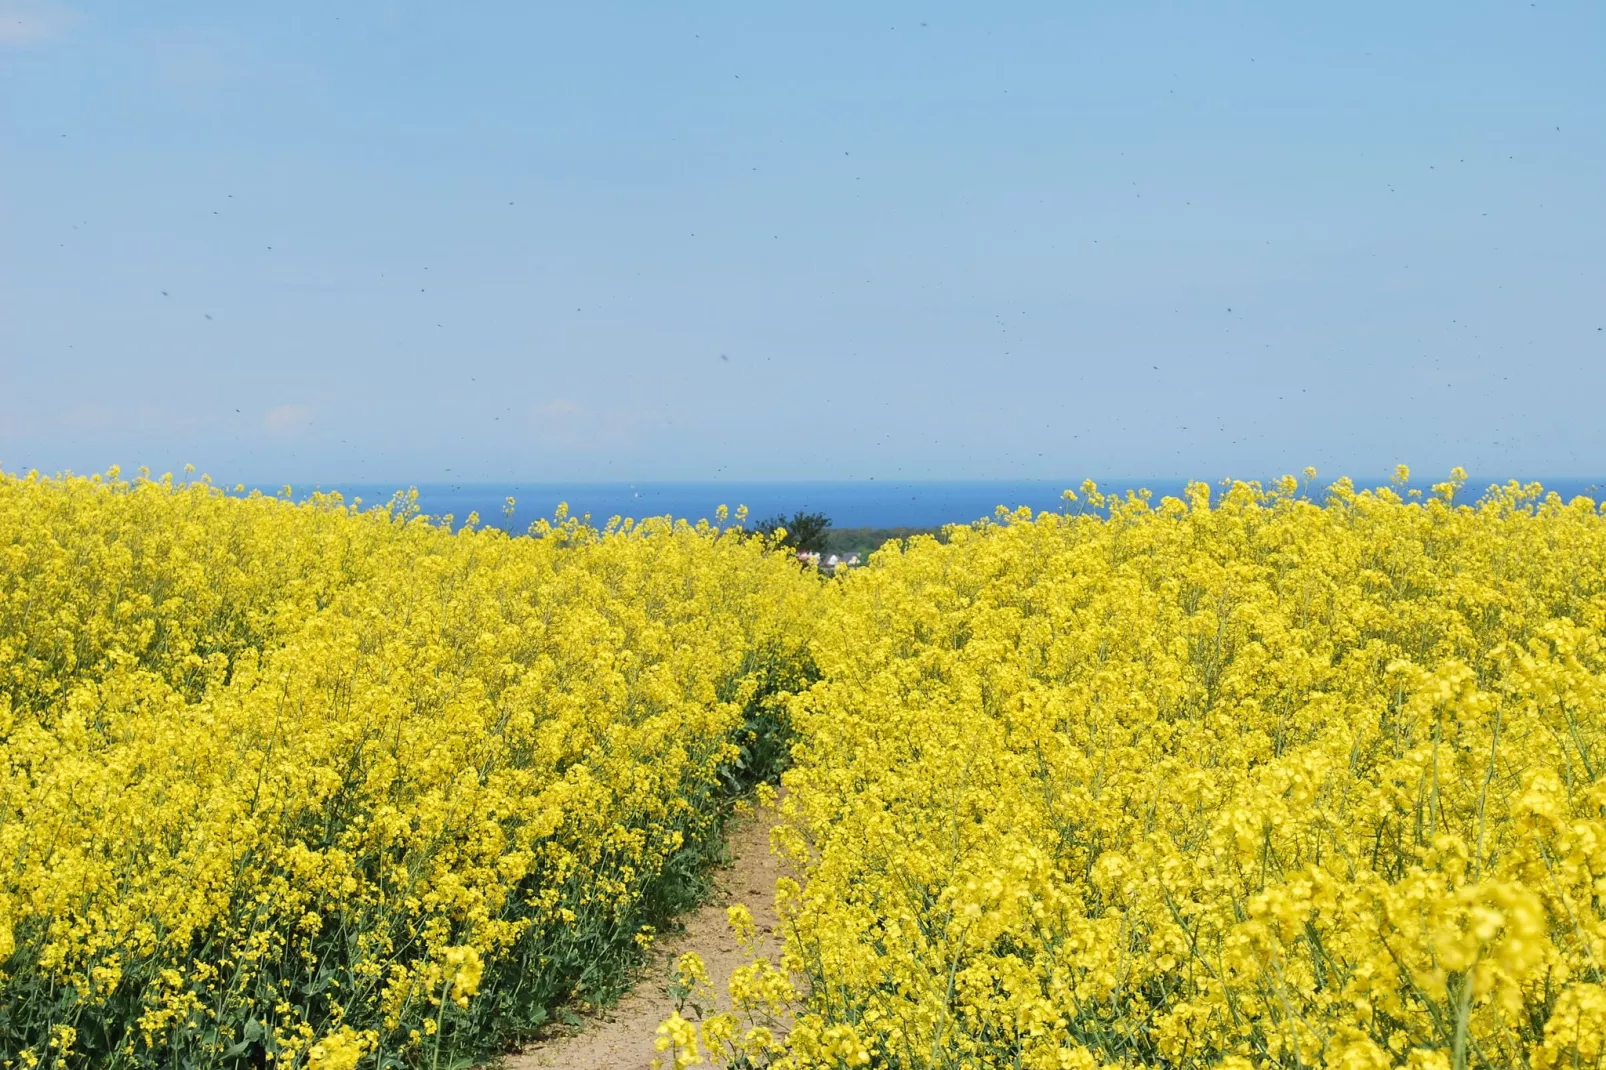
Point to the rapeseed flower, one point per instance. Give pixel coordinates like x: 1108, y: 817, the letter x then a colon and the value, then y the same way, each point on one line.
x: 337, y: 787
x: 1251, y: 781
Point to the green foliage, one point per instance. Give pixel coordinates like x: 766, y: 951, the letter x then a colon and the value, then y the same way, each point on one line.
x: 865, y: 541
x: 767, y: 735
x: 805, y: 532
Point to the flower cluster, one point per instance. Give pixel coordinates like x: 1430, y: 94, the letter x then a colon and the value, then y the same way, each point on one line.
x: 1263, y: 782
x: 300, y: 784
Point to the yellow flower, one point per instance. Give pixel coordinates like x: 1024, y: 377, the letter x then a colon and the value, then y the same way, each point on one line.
x: 377, y: 766
x: 340, y: 1050
x: 678, y: 1038
x: 1259, y: 781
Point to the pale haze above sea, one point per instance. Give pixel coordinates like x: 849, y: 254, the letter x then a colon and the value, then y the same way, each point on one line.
x: 866, y: 503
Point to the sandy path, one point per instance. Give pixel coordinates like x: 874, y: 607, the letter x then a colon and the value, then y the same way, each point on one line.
x: 621, y: 1037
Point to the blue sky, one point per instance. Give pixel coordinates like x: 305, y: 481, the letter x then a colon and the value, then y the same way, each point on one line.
x: 299, y: 241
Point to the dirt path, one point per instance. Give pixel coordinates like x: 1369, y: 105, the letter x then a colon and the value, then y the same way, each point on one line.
x: 621, y: 1038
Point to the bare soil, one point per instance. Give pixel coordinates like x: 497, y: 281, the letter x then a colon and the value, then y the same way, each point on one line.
x: 621, y: 1037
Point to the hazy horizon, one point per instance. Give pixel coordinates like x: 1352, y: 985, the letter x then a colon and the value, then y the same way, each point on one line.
x: 848, y: 504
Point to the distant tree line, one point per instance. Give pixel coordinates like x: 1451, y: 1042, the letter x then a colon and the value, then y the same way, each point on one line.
x: 865, y: 541
x: 805, y: 532
x: 812, y: 533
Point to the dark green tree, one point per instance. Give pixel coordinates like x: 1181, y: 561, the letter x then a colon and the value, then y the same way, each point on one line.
x: 805, y: 532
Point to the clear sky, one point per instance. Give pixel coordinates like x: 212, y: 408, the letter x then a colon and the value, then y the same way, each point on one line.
x: 301, y: 240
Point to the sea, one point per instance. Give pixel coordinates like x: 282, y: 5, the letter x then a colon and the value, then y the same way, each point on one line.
x: 858, y: 504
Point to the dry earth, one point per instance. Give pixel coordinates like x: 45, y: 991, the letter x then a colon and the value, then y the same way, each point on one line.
x: 621, y: 1037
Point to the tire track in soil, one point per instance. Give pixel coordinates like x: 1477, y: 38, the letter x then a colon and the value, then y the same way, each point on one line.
x: 621, y: 1037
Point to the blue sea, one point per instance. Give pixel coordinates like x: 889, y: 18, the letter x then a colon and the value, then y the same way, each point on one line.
x: 866, y: 503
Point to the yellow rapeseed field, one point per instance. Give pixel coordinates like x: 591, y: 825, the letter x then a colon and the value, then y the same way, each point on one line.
x: 1252, y: 782
x: 297, y: 785
x: 1257, y: 783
